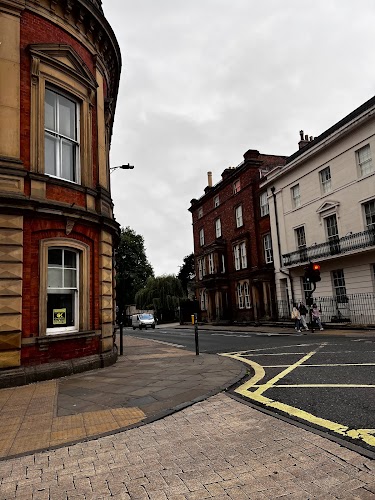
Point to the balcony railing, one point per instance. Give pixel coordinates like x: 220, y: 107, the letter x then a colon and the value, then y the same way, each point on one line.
x: 334, y: 246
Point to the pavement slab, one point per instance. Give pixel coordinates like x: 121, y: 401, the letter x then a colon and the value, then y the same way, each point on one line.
x: 150, y: 380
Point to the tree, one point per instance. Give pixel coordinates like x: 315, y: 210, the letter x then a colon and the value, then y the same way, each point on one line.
x: 161, y: 294
x: 132, y: 268
x: 187, y: 272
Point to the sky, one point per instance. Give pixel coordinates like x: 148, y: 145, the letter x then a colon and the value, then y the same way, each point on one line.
x: 203, y: 81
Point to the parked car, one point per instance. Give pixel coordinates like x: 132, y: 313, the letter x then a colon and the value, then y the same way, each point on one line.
x: 143, y: 320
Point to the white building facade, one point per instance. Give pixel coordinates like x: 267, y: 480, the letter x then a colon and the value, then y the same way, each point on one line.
x: 322, y: 209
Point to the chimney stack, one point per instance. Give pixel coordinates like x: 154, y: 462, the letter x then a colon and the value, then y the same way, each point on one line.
x: 304, y: 140
x: 209, y: 175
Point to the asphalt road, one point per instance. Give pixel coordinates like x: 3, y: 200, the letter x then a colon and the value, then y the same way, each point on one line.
x: 325, y: 382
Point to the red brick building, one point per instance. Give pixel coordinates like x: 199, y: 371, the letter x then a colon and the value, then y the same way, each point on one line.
x: 232, y: 244
x: 62, y: 65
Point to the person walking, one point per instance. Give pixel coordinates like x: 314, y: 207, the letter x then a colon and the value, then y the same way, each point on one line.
x: 296, y: 316
x: 303, y: 311
x: 316, y: 316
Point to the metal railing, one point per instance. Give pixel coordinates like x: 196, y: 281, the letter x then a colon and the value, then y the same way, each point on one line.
x: 357, y: 309
x: 334, y: 246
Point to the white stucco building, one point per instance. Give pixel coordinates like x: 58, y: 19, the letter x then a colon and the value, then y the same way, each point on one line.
x: 322, y: 209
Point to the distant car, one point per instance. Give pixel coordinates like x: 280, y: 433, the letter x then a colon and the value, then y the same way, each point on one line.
x: 143, y: 320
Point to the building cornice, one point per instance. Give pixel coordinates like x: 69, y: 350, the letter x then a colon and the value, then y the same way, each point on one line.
x: 343, y: 127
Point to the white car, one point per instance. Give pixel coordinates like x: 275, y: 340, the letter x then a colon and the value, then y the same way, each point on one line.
x: 143, y: 320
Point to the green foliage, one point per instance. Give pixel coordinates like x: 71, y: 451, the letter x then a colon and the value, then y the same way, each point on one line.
x: 187, y: 272
x: 132, y: 267
x: 161, y: 294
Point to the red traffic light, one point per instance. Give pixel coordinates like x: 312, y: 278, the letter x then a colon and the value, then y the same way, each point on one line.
x: 316, y: 267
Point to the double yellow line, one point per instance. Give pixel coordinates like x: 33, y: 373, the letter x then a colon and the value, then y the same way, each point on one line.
x: 365, y: 435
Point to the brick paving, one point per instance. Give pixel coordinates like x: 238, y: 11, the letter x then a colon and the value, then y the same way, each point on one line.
x: 218, y: 448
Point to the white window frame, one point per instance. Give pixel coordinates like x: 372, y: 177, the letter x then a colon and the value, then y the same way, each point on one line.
x: 216, y: 201
x: 236, y: 186
x: 325, y: 180
x: 267, y: 245
x: 203, y: 300
x: 339, y: 285
x: 239, y: 217
x: 243, y: 255
x: 211, y: 264
x: 264, y: 207
x: 300, y: 237
x: 237, y: 258
x: 59, y: 139
x: 60, y: 289
x: 246, y: 290
x: 204, y: 266
x: 83, y: 283
x: 222, y: 263
x: 240, y: 256
x: 369, y: 215
x: 240, y: 296
x: 200, y: 269
x: 201, y: 237
x: 218, y: 228
x: 364, y: 160
x: 296, y: 196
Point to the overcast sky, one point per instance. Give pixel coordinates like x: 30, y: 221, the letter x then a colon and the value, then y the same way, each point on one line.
x: 203, y: 81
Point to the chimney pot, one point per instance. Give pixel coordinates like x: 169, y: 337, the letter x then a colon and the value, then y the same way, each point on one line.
x: 209, y: 176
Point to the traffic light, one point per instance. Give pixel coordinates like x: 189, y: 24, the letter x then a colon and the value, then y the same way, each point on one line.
x: 312, y: 272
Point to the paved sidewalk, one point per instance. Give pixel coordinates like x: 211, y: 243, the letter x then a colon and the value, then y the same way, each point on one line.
x: 218, y: 448
x: 149, y: 381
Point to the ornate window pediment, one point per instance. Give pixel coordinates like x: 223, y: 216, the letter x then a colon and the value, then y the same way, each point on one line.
x: 63, y: 58
x: 328, y: 207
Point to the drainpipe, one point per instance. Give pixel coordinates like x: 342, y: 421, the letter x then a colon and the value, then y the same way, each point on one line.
x: 278, y: 243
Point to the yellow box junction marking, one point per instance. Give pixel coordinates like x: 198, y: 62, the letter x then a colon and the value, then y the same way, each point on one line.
x: 365, y: 435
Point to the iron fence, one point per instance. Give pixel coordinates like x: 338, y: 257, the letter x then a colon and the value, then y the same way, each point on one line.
x: 357, y: 309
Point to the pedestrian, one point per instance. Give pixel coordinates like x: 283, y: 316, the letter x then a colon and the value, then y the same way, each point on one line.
x: 303, y: 311
x: 296, y: 316
x: 316, y: 316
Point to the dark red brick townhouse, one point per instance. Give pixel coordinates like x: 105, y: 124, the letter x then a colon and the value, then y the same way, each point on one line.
x: 232, y: 244
x: 57, y: 231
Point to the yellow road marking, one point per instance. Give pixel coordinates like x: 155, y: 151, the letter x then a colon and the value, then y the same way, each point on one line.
x: 366, y: 435
x: 281, y: 375
x: 317, y: 385
x: 324, y: 364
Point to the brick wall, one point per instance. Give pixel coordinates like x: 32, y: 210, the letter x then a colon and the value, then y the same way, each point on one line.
x: 36, y: 29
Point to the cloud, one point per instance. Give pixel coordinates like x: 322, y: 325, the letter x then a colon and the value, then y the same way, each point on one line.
x: 204, y: 81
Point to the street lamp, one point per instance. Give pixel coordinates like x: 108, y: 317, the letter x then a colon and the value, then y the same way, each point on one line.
x: 122, y: 167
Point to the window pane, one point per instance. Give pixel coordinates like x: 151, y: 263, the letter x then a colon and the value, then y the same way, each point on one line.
x: 50, y: 110
x: 69, y: 259
x: 68, y: 161
x: 70, y: 280
x: 55, y: 257
x: 55, y: 278
x: 67, y: 117
x: 60, y: 310
x: 50, y: 155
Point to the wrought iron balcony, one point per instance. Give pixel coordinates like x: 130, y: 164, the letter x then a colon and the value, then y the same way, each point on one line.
x: 335, y: 246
